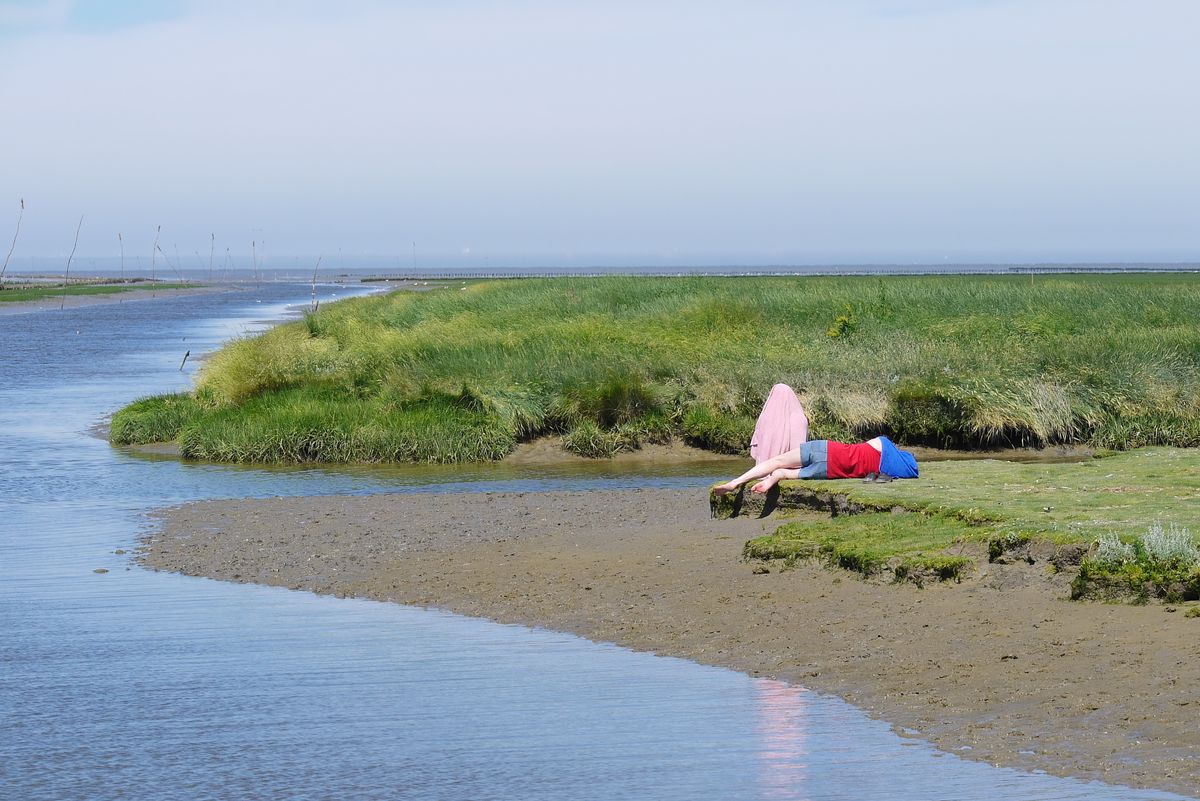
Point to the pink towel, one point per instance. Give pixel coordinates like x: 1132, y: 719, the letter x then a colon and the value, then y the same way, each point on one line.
x: 782, y: 425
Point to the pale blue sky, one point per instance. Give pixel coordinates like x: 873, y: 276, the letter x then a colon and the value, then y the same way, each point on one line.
x: 606, y: 133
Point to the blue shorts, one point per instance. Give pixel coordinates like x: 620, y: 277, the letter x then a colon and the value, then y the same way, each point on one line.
x: 814, y: 459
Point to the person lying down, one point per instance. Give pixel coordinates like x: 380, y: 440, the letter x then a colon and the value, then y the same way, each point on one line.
x: 877, y: 458
x: 780, y: 450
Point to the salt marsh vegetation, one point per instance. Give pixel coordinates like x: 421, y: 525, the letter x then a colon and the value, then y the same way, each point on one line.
x: 1111, y: 361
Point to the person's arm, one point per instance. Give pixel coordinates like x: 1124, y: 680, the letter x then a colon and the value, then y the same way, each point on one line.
x: 787, y: 461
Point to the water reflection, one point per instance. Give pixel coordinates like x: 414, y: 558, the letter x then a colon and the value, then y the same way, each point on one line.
x: 783, y: 739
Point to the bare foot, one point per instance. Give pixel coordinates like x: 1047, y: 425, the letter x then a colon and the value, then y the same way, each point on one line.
x: 724, y: 489
x: 764, y: 485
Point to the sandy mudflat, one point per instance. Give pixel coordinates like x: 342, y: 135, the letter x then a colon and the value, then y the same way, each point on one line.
x: 998, y: 668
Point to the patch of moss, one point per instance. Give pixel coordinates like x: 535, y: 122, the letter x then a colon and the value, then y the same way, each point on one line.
x: 1138, y: 582
x: 773, y: 546
x: 1029, y: 512
x: 869, y: 544
x: 724, y: 507
x: 918, y: 569
x: 1063, y: 503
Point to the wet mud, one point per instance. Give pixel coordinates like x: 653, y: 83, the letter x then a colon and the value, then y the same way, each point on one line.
x: 1000, y: 667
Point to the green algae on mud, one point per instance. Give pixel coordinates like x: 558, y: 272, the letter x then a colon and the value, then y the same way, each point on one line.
x: 1053, y: 513
x: 464, y: 374
x: 29, y: 292
x: 870, y: 544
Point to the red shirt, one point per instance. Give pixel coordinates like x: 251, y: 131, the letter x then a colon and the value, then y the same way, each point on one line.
x: 851, y: 461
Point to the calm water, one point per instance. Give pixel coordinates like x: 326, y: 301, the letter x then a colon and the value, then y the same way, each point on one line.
x: 132, y: 684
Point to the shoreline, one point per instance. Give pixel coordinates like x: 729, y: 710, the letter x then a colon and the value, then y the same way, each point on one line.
x: 79, y: 301
x: 998, y: 668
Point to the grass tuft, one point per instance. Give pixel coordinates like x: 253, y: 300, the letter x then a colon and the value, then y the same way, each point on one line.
x: 159, y: 418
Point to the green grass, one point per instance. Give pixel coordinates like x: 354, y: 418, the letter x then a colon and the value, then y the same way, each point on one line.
x: 609, y: 363
x: 294, y: 425
x: 910, y: 550
x: 1006, y: 508
x: 155, y: 419
x: 25, y: 292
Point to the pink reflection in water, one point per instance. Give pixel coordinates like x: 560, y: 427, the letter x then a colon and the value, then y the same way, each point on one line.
x: 783, y: 734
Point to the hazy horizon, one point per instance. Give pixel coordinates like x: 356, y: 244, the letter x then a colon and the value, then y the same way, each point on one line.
x: 533, y: 134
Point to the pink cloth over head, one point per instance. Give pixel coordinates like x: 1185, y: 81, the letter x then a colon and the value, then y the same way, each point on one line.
x: 782, y: 425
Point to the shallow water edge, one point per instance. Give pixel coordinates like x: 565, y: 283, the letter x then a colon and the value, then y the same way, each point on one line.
x: 989, y: 669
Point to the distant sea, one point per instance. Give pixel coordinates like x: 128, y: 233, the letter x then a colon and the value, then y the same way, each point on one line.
x: 301, y: 270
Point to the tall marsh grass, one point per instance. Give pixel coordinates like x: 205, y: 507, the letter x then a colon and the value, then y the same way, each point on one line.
x: 610, y: 363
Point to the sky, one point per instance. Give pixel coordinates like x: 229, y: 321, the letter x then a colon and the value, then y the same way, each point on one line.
x: 486, y: 133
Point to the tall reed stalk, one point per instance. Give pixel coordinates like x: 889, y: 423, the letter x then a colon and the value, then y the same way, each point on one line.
x: 153, y: 257
x: 13, y: 246
x: 172, y: 265
x: 121, y: 239
x: 67, y: 274
x: 315, y: 302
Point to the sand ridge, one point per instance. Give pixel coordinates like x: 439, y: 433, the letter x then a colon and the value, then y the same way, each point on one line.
x: 999, y: 668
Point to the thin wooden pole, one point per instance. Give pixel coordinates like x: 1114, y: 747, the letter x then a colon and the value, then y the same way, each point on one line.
x: 153, y: 256
x: 66, y: 275
x: 13, y: 246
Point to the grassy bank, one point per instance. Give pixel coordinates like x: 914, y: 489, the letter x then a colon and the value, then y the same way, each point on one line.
x: 10, y: 293
x: 451, y: 375
x: 1121, y: 524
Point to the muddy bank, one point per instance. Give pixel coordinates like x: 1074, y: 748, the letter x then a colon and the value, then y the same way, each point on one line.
x: 998, y: 668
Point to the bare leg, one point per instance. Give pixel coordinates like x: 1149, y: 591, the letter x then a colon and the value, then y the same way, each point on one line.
x: 788, y: 461
x: 773, y: 479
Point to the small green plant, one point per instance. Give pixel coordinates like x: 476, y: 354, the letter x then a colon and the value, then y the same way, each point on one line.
x: 844, y: 324
x: 590, y: 440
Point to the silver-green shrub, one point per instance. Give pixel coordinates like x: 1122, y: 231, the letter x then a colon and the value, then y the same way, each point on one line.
x: 1171, y: 544
x: 1111, y: 551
